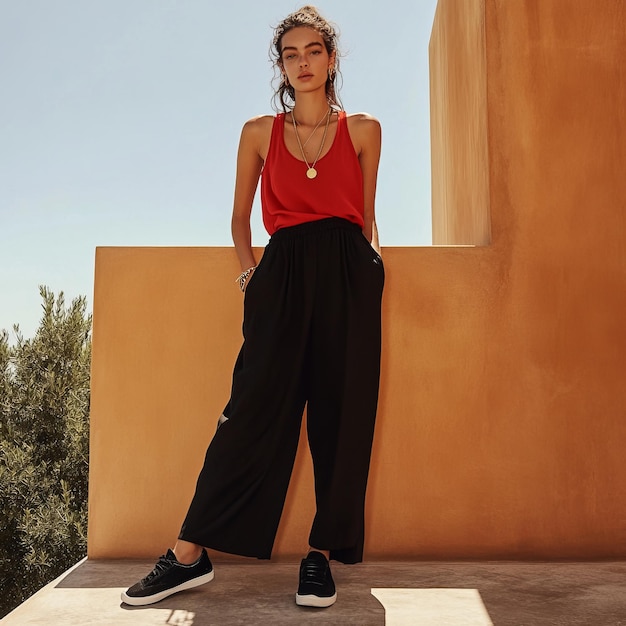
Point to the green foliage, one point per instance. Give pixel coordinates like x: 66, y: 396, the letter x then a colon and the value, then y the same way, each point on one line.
x: 44, y: 439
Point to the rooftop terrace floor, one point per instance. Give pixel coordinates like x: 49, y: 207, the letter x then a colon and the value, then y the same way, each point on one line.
x: 372, y: 593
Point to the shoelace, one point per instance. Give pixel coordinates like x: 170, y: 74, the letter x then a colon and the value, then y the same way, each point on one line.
x: 313, y: 571
x: 162, y: 564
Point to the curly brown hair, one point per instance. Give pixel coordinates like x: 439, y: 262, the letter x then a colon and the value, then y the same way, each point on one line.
x: 310, y: 17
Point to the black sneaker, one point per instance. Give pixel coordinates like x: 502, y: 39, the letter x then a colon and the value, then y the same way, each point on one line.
x: 168, y: 577
x: 316, y: 587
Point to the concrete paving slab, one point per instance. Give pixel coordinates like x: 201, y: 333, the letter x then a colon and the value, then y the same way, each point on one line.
x: 387, y: 593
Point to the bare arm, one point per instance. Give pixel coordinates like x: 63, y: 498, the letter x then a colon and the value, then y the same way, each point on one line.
x: 368, y: 135
x: 249, y: 166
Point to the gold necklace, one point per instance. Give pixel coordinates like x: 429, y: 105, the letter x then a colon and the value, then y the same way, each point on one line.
x: 316, y: 127
x: 311, y: 172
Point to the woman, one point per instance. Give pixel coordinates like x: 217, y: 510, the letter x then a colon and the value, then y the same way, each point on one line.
x: 311, y: 331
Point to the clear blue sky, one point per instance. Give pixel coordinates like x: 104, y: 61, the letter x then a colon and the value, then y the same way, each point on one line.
x: 119, y: 124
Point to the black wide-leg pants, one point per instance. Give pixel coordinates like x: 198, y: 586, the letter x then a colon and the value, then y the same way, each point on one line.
x: 311, y: 336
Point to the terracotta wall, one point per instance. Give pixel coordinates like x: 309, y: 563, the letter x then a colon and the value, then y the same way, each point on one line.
x: 502, y: 416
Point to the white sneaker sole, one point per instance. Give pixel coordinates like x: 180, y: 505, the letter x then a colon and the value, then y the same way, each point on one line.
x: 313, y: 600
x: 157, y: 597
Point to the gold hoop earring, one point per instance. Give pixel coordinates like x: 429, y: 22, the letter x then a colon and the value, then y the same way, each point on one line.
x: 285, y: 80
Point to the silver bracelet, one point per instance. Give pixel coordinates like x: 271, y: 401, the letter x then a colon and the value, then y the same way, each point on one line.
x: 243, y: 277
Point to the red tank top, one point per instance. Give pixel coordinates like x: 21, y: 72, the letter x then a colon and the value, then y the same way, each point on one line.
x: 289, y: 198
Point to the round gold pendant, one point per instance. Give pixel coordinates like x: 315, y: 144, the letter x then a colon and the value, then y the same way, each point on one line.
x: 311, y: 172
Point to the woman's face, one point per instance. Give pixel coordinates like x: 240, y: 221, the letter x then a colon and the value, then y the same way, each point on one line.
x: 304, y: 58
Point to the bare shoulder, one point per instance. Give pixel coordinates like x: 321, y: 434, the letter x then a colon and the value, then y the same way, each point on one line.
x: 365, y: 131
x: 256, y: 133
x: 364, y: 122
x: 259, y: 124
x: 362, y: 117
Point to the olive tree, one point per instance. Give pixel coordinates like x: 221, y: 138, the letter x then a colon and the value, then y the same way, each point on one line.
x: 44, y: 438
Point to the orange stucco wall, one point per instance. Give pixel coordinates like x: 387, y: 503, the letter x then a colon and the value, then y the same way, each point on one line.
x: 502, y: 415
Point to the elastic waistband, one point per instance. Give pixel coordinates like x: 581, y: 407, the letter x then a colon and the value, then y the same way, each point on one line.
x: 314, y: 227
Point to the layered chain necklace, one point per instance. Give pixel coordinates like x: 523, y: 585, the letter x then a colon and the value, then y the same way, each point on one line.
x: 311, y: 172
